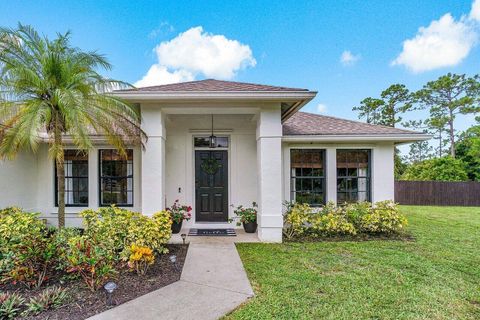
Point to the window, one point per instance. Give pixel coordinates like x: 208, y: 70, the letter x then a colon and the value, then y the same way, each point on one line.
x: 116, y: 178
x: 76, y: 179
x: 307, y: 167
x: 204, y: 142
x: 353, y: 176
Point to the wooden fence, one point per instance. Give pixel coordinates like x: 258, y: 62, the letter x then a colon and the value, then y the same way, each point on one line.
x: 437, y: 193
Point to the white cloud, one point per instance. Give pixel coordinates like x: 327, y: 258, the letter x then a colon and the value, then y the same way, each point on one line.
x: 444, y: 43
x: 158, y: 75
x: 321, y: 108
x: 348, y: 58
x: 163, y: 28
x: 195, y: 52
x: 475, y: 12
x: 201, y: 52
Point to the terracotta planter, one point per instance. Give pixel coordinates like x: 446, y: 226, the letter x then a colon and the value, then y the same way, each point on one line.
x: 250, y: 227
x: 176, y: 227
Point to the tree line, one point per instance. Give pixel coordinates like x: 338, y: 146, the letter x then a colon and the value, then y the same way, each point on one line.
x: 455, y: 155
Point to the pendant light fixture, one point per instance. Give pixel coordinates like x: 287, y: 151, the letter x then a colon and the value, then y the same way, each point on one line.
x: 213, y: 138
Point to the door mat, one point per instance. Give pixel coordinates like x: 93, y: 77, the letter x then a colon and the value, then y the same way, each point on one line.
x: 230, y: 232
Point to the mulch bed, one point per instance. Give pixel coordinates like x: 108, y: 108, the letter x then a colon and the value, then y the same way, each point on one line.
x: 83, y: 303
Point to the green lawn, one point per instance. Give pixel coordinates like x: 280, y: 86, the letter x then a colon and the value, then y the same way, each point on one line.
x: 436, y: 276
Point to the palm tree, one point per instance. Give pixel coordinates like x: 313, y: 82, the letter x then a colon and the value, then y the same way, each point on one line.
x: 52, y: 92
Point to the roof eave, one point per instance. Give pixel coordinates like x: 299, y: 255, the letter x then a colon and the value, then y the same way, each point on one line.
x: 401, y: 138
x: 296, y: 107
x: 215, y: 95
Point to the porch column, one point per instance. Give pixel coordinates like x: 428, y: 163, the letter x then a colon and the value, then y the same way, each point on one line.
x: 382, y: 177
x: 153, y: 160
x: 269, y: 166
x: 331, y: 174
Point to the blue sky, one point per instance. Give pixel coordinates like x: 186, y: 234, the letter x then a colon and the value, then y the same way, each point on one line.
x: 291, y: 43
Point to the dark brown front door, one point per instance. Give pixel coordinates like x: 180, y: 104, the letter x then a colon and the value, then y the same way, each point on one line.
x: 211, y: 185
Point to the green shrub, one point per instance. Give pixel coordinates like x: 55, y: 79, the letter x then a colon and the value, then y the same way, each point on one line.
x: 356, y: 211
x: 109, y: 226
x: 33, y: 260
x: 152, y: 232
x: 116, y: 229
x: 62, y: 242
x: 15, y: 225
x: 438, y: 169
x: 10, y: 305
x: 50, y: 298
x: 26, y: 249
x: 331, y: 220
x: 384, y: 217
x: 89, y: 260
x: 295, y: 219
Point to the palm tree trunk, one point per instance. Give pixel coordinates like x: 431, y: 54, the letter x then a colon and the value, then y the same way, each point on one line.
x: 59, y: 159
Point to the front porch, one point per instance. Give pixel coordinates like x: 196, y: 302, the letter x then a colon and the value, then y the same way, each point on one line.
x: 241, y: 237
x: 248, y: 159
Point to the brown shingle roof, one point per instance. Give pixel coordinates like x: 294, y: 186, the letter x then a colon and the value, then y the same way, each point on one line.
x: 303, y: 123
x: 211, y: 85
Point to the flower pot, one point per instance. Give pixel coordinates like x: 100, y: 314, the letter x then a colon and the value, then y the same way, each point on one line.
x: 250, y: 227
x: 176, y: 227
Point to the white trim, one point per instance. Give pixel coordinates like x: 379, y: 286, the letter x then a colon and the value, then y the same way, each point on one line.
x: 137, y: 96
x: 405, y: 138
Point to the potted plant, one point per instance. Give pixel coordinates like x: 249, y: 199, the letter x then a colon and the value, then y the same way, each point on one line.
x: 247, y: 217
x: 178, y: 213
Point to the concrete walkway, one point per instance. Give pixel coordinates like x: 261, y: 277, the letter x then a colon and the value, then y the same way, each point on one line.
x: 213, y: 283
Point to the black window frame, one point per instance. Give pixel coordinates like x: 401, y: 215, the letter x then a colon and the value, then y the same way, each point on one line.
x: 323, y: 177
x: 347, y: 177
x: 223, y: 142
x: 72, y: 177
x: 101, y: 178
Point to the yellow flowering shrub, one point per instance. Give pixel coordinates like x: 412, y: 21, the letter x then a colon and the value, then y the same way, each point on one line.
x: 332, y: 220
x: 16, y: 224
x: 109, y: 226
x: 384, y: 217
x: 26, y: 251
x: 295, y: 219
x: 118, y: 228
x: 140, y: 259
x: 153, y: 232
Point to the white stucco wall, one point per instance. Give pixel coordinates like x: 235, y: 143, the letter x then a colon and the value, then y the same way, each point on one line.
x: 180, y: 164
x: 18, y: 181
x: 382, y: 166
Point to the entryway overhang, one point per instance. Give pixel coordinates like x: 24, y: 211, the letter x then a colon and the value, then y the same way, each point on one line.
x: 290, y: 102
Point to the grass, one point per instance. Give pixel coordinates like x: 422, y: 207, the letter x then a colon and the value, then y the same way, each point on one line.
x: 436, y: 276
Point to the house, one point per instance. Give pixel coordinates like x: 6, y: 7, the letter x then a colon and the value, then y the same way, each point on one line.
x: 212, y: 144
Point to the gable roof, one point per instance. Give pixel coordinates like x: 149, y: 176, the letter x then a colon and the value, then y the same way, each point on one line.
x: 212, y: 85
x: 291, y: 99
x: 303, y: 123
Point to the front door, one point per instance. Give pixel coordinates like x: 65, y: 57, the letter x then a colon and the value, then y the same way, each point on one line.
x: 211, y: 185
